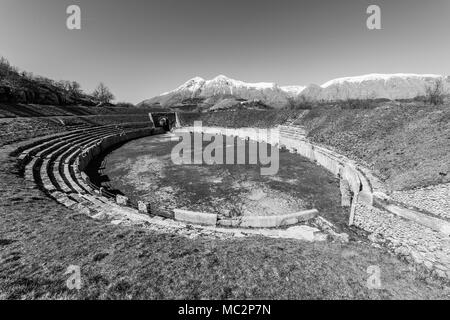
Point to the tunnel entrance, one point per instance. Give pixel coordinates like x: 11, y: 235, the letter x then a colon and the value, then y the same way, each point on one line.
x: 164, y: 123
x: 165, y: 120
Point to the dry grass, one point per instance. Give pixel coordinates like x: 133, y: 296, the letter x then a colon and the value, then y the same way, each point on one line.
x: 407, y: 144
x: 40, y: 239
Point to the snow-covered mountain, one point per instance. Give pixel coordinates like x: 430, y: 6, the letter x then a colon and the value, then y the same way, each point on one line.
x: 221, y: 87
x: 371, y: 86
x: 375, y: 86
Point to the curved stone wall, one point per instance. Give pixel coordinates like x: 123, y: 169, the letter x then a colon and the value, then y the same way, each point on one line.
x: 92, y: 152
x: 364, y: 187
x: 200, y: 218
x: 332, y: 161
x: 422, y: 238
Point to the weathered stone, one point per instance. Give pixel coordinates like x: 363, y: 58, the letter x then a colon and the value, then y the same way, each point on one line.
x: 83, y: 209
x: 304, y: 233
x: 143, y: 207
x: 195, y: 217
x: 229, y: 222
x: 277, y: 220
x: 441, y: 267
x: 99, y: 216
x: 122, y: 200
x: 346, y: 196
x: 342, y: 237
x: 441, y: 273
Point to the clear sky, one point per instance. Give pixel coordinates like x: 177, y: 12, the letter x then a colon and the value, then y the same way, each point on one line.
x: 142, y: 48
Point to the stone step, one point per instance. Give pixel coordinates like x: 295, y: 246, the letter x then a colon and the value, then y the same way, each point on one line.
x: 64, y: 181
x: 35, y: 147
x: 77, y: 140
x: 29, y: 170
x: 53, y: 180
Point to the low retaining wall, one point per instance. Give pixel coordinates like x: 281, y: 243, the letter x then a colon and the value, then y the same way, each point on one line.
x: 273, y: 221
x: 277, y: 220
x: 87, y: 155
x: 202, y: 218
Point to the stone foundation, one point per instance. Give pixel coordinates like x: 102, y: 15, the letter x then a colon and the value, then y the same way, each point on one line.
x: 434, y: 199
x: 406, y: 238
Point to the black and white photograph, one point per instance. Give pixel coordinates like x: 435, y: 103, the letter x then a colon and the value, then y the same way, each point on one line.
x: 224, y: 157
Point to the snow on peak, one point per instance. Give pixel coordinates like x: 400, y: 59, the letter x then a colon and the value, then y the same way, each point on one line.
x: 224, y: 80
x: 369, y: 86
x: 376, y: 86
x: 380, y: 77
x: 293, y: 90
x: 196, y: 79
x: 191, y: 85
x: 222, y: 77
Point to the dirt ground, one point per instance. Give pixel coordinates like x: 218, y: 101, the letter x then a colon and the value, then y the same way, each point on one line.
x: 143, y: 170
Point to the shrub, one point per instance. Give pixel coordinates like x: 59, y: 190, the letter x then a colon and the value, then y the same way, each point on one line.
x: 6, y: 69
x: 71, y: 87
x: 435, y: 93
x: 125, y: 105
x: 358, y: 104
x: 299, y: 104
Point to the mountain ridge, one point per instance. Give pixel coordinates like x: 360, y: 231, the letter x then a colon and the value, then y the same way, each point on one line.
x: 369, y: 86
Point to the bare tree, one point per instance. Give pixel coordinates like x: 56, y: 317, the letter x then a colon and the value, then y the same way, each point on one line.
x: 63, y: 84
x: 435, y: 92
x: 6, y: 69
x: 75, y: 89
x: 103, y: 94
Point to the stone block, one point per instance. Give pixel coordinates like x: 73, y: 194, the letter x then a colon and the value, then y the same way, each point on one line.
x: 121, y: 200
x: 365, y: 197
x: 143, y: 207
x: 202, y: 218
x: 278, y: 220
x: 346, y: 196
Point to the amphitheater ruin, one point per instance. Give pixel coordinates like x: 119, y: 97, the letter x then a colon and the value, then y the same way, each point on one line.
x: 58, y: 164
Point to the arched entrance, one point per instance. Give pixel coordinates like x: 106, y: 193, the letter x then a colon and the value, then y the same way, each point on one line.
x: 165, y: 123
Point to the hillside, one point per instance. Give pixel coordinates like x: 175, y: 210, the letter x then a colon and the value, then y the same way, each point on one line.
x: 24, y: 87
x: 408, y: 144
x: 137, y: 261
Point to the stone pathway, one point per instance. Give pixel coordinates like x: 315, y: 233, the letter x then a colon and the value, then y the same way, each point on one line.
x: 435, y: 199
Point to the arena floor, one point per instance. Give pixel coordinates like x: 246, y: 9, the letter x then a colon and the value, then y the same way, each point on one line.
x: 143, y: 170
